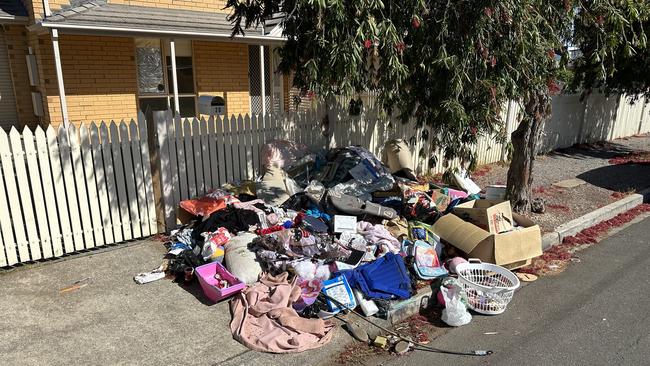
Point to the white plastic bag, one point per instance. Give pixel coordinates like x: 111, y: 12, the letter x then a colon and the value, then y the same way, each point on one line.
x: 465, y: 183
x: 455, y: 313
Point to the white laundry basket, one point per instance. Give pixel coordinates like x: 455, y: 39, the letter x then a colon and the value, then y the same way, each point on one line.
x: 489, y: 287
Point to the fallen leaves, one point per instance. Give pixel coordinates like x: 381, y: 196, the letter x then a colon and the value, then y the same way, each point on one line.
x: 557, y: 258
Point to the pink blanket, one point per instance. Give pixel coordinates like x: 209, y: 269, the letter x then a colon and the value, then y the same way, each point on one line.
x: 264, y: 320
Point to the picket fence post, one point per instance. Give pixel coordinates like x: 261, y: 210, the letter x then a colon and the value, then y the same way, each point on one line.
x: 161, y: 170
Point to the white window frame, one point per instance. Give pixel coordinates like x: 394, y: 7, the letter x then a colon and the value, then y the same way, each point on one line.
x: 168, y: 93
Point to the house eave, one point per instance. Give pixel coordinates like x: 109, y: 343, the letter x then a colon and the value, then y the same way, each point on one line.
x: 248, y: 37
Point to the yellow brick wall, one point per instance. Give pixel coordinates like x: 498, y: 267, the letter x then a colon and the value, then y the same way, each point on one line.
x: 56, y: 5
x: 222, y: 67
x: 16, y: 39
x: 99, y: 74
x: 37, y: 11
x: 215, y: 6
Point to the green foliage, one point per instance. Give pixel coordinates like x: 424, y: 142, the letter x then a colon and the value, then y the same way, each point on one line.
x: 615, y: 53
x: 450, y: 64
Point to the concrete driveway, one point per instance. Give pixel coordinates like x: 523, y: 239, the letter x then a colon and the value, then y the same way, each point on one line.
x: 114, y: 321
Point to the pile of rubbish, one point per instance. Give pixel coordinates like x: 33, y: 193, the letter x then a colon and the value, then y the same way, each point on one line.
x: 324, y: 232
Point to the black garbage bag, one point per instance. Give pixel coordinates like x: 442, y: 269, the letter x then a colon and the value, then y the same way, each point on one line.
x: 186, y: 259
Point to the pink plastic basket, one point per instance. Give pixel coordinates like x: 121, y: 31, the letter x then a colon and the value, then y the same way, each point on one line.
x: 206, y: 273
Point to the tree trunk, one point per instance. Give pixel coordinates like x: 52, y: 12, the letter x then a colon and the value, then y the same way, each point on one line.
x: 524, y: 143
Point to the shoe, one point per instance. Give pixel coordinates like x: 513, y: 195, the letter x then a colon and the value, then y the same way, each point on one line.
x: 357, y: 332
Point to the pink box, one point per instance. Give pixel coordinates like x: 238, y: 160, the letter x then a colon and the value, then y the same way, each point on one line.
x: 206, y: 273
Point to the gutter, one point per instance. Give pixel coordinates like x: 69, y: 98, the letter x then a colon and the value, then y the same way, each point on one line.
x: 72, y: 27
x: 13, y: 19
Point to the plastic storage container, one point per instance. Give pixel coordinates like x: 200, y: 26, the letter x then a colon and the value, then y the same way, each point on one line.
x: 205, y: 274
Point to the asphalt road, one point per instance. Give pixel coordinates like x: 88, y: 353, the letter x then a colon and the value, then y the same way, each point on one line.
x: 597, y: 312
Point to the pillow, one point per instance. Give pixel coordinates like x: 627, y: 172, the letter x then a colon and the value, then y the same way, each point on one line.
x: 240, y: 261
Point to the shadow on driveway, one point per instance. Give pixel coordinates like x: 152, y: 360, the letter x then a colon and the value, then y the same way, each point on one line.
x: 620, y: 177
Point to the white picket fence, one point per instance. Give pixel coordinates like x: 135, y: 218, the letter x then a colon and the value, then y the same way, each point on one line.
x: 69, y: 190
x: 63, y: 190
x: 197, y: 155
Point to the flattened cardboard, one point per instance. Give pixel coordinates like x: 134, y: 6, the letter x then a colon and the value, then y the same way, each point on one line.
x: 183, y: 217
x: 512, y: 249
x: 493, y: 216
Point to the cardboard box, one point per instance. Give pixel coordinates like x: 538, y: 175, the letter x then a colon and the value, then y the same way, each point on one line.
x: 512, y: 249
x: 493, y: 216
x: 183, y: 217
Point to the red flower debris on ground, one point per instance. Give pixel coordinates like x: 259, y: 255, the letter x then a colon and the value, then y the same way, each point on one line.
x: 415, y: 326
x: 357, y: 352
x: 558, y: 207
x: 161, y: 238
x: 619, y: 195
x: 547, y: 190
x: 420, y: 326
x: 637, y: 157
x: 557, y: 258
x: 481, y: 171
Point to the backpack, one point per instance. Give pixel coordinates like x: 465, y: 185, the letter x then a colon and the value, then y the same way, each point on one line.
x: 426, y: 263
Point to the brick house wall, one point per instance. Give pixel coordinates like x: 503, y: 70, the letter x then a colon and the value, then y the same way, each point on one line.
x: 215, y: 6
x: 100, y: 72
x: 222, y: 67
x: 34, y: 9
x: 37, y: 11
x: 99, y: 77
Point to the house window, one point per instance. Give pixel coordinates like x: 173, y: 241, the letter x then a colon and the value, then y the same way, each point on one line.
x: 150, y: 76
x: 272, y: 81
x: 155, y: 78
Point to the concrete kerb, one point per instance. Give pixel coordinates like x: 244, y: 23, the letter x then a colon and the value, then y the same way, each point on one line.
x: 593, y: 218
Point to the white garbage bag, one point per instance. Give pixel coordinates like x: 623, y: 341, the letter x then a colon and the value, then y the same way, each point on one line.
x: 455, y: 313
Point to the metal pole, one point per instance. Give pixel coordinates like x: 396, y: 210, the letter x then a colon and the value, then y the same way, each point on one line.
x: 59, y: 76
x: 46, y: 8
x: 172, y: 51
x: 263, y: 86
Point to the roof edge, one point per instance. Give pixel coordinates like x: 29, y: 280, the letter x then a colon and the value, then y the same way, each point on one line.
x: 124, y: 30
x: 13, y: 19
